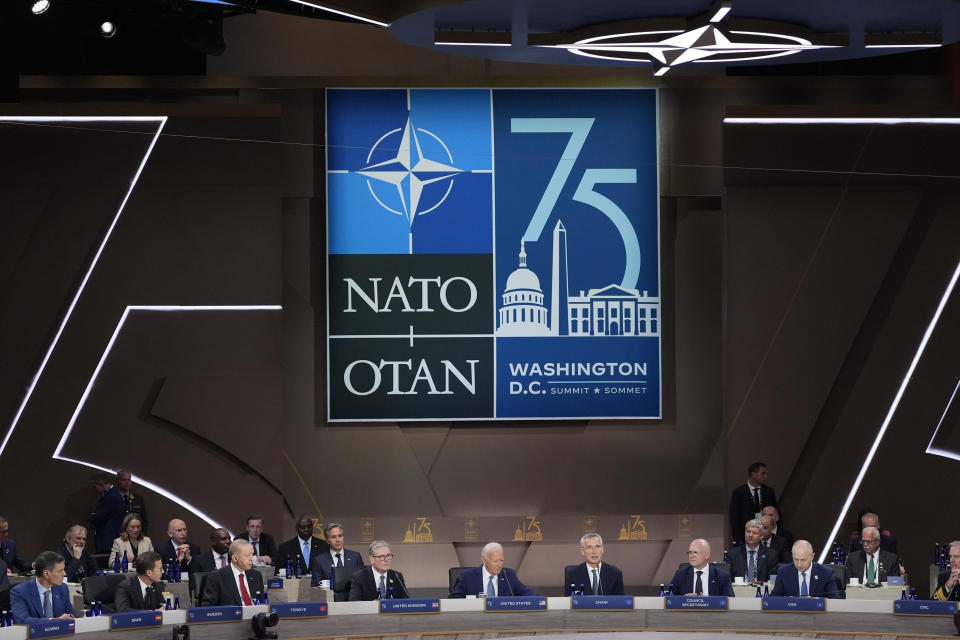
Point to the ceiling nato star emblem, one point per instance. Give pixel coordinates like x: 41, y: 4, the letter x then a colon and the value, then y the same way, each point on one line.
x: 409, y: 172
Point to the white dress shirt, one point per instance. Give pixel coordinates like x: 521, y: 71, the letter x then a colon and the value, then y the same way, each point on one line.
x: 486, y: 581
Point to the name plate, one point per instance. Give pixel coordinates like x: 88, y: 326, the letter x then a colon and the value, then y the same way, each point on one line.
x: 52, y: 628
x: 895, y: 581
x: 601, y: 603
x: 789, y: 603
x: 300, y: 609
x: 924, y: 608
x: 696, y: 603
x: 135, y: 620
x: 202, y: 615
x: 411, y: 605
x: 275, y: 583
x: 515, y: 603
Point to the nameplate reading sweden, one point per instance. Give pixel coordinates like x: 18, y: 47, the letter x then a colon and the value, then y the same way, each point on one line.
x: 201, y: 615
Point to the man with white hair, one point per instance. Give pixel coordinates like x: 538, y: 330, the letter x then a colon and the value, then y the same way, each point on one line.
x: 871, y: 564
x: 236, y: 584
x: 594, y: 576
x: 79, y: 564
x: 491, y: 578
x: 805, y: 577
x: 948, y: 582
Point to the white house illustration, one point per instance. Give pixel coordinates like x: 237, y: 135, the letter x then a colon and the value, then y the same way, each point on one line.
x: 612, y: 310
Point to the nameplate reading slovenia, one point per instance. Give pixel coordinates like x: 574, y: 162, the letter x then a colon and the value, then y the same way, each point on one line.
x: 515, y: 603
x: 696, y: 603
x: 135, y: 620
x: 601, y: 603
x: 52, y: 628
x: 300, y: 609
x: 203, y: 615
x: 789, y: 603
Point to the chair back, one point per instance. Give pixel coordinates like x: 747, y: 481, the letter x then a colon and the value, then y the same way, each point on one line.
x: 568, y: 584
x: 342, y: 577
x: 101, y: 589
x: 197, y: 581
x: 453, y: 576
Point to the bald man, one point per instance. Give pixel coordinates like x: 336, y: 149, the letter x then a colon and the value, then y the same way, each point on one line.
x: 701, y: 578
x: 178, y: 548
x: 805, y: 577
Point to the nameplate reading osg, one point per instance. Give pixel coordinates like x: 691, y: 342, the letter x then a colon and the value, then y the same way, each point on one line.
x: 789, y: 603
x: 515, y: 603
x: 601, y: 603
x: 200, y: 615
x: 52, y: 628
x: 300, y: 609
x: 696, y: 603
x: 135, y: 620
x: 275, y: 583
x: 410, y: 605
x: 924, y: 608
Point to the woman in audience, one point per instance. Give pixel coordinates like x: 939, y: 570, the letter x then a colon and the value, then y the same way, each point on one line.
x: 131, y: 542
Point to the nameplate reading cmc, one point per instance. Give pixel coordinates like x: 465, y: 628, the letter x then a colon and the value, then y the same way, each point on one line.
x: 924, y: 608
x: 135, y: 620
x: 515, y: 603
x: 300, y: 609
x: 275, y: 583
x: 52, y: 628
x: 601, y: 603
x: 203, y: 615
x: 696, y: 603
x: 789, y: 603
x: 410, y: 605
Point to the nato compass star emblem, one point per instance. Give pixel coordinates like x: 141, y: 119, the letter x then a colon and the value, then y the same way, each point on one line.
x: 410, y: 171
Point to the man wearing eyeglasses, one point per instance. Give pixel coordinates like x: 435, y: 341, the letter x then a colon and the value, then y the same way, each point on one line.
x: 378, y: 581
x: 701, y: 578
x: 871, y: 564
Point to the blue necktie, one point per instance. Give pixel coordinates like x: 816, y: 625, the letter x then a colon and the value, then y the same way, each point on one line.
x: 47, y: 605
x: 491, y: 591
x: 306, y: 552
x: 803, y: 585
x: 383, y: 589
x: 339, y: 561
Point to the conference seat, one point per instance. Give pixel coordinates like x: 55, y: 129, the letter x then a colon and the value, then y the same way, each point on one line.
x: 101, y: 589
x: 341, y: 583
x: 568, y: 579
x: 840, y: 574
x: 101, y: 560
x: 453, y: 576
x: 197, y: 580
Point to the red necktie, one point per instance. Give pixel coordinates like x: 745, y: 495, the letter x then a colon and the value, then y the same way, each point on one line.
x: 244, y: 593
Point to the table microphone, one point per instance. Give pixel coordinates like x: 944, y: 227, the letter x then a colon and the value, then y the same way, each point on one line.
x: 507, y: 580
x: 400, y: 580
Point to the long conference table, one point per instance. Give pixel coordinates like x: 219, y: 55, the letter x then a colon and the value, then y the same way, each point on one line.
x: 466, y: 620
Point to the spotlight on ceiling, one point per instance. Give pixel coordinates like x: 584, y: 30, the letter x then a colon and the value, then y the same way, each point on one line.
x: 720, y: 10
x: 108, y: 29
x: 40, y: 6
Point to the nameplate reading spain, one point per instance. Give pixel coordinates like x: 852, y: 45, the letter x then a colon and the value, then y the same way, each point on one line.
x: 924, y: 608
x: 200, y: 615
x: 410, y: 605
x: 52, y: 628
x: 275, y: 583
x: 789, y: 603
x: 696, y: 603
x: 300, y: 609
x: 135, y: 620
x: 601, y: 603
x: 515, y: 603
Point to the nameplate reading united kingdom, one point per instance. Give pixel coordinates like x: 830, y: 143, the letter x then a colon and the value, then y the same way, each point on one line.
x: 696, y: 603
x: 601, y: 603
x: 202, y: 615
x: 300, y: 609
x: 515, y: 603
x: 52, y: 628
x: 275, y: 583
x: 410, y: 605
x: 135, y: 620
x: 924, y: 608
x: 789, y: 603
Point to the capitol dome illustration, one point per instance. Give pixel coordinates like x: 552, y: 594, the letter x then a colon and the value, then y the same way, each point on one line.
x: 522, y: 312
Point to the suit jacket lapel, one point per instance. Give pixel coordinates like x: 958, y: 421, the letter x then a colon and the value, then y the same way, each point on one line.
x: 35, y: 600
x: 233, y: 585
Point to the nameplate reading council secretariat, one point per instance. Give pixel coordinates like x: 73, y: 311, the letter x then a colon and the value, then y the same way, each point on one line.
x: 924, y: 608
x: 515, y: 603
x: 789, y: 603
x: 52, y: 628
x: 410, y: 605
x: 696, y: 603
x: 135, y: 620
x: 204, y: 615
x: 300, y: 609
x: 601, y: 603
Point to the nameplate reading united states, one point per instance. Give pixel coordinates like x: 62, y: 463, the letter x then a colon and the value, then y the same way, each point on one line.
x: 515, y: 603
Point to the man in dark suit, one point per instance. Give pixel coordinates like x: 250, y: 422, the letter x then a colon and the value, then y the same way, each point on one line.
x: 79, y: 564
x: 378, y: 581
x: 948, y: 582
x: 776, y: 544
x: 236, y: 584
x: 45, y: 597
x: 264, y: 548
x: 748, y: 500
x: 143, y: 591
x: 887, y: 541
x: 8, y: 550
x: 597, y: 578
x: 752, y: 561
x: 338, y: 556
x: 294, y: 547
x: 805, y: 577
x: 177, y: 547
x: 700, y: 577
x: 778, y: 528
x: 219, y: 554
x: 871, y: 564
x: 132, y: 502
x: 491, y: 577
x: 107, y: 518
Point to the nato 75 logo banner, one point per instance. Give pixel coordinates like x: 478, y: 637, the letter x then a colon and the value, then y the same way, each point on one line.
x: 492, y: 254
